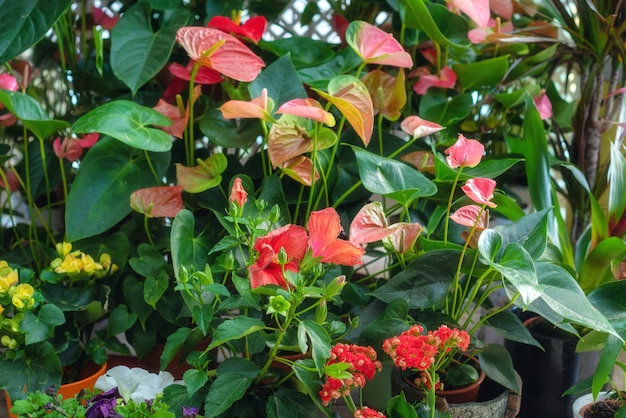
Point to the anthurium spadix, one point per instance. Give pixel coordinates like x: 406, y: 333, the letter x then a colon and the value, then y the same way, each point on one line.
x: 376, y: 46
x: 205, y: 175
x: 220, y: 51
x: 348, y: 94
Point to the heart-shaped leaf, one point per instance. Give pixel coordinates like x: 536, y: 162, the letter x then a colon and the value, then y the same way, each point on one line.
x: 32, y: 115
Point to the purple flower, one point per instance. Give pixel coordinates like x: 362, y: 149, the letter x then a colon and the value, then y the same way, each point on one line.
x: 190, y: 412
x: 103, y: 405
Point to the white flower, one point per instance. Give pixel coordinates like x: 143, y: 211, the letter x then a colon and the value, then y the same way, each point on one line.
x: 137, y: 384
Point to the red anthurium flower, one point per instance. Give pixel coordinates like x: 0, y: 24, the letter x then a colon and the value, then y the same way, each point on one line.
x: 446, y: 79
x: 544, y: 106
x: 340, y: 24
x: 105, y: 17
x: 72, y: 148
x: 464, y: 153
x: 266, y: 269
x: 257, y: 108
x: 418, y: 127
x: 220, y: 51
x: 480, y: 190
x: 387, y: 92
x: 179, y: 119
x: 307, y: 108
x: 204, y: 76
x: 324, y: 227
x: 7, y: 119
x: 477, y: 10
x: 253, y: 28
x: 238, y: 194
x: 158, y: 202
x: 469, y: 216
x: 376, y: 46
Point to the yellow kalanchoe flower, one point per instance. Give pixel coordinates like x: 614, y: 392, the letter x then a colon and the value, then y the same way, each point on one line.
x: 89, y: 265
x: 8, y: 277
x: 1, y: 310
x: 63, y: 249
x: 23, y: 296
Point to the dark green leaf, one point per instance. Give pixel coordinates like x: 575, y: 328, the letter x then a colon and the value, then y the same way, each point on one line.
x: 281, y: 81
x: 40, y: 327
x: 320, y: 343
x: 435, y: 106
x: 154, y: 287
x: 488, y: 72
x: 32, y: 115
x: 188, y: 250
x: 497, y: 364
x: 67, y: 298
x: 120, y: 320
x: 235, y: 328
x: 225, y: 390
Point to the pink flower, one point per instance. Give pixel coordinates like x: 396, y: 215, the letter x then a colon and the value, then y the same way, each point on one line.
x: 464, y: 153
x: 446, y: 79
x: 469, y: 216
x: 480, y: 190
x: 238, y: 194
x: 367, y: 412
x: 179, y: 119
x: 258, y: 108
x: 307, y: 108
x: 376, y: 46
x: 13, y: 182
x: 418, y: 127
x: 253, y: 28
x: 158, y: 202
x: 324, y: 227
x: 72, y: 148
x: 8, y: 82
x: 266, y: 269
x: 544, y: 106
x: 477, y: 10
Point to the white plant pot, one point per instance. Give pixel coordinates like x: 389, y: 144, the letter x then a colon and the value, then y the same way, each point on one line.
x: 586, y: 400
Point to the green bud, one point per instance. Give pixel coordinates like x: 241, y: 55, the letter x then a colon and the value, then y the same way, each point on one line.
x: 274, y: 214
x: 229, y: 261
x: 335, y: 287
x: 321, y: 312
x: 282, y: 256
x: 233, y: 209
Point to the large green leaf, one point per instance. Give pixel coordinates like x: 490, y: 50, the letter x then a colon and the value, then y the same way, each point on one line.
x: 596, y: 267
x: 188, y: 249
x: 281, y: 81
x: 320, y: 343
x: 38, y: 369
x: 392, y: 178
x: 489, y: 72
x: 496, y: 362
x: 67, y: 299
x: 128, y: 122
x: 24, y: 23
x: 40, y: 327
x: 225, y: 390
x: 30, y: 112
x: 137, y: 52
x: 109, y: 173
x: 233, y: 329
x: 434, y: 20
x: 436, y: 107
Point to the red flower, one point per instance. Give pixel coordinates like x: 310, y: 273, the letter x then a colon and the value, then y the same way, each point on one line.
x: 445, y: 79
x: 480, y: 190
x: 266, y: 269
x: 324, y: 227
x: 253, y: 28
x: 238, y: 194
x: 72, y: 148
x: 367, y: 412
x: 464, y: 153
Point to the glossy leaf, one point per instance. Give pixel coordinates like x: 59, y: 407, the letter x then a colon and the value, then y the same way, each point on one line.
x: 225, y: 390
x: 392, y: 178
x: 133, y: 33
x: 129, y: 123
x: 32, y: 115
x: 320, y: 343
x: 235, y: 328
x: 508, y: 325
x: 187, y: 248
x: 437, y: 107
x: 100, y: 194
x: 229, y: 133
x: 419, y: 14
x: 496, y: 362
x: 281, y: 81
x: 518, y: 269
x: 24, y: 23
x: 488, y: 72
x: 348, y: 94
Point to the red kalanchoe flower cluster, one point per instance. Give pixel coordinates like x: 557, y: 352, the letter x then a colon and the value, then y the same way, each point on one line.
x: 366, y: 412
x: 363, y: 366
x: 415, y: 350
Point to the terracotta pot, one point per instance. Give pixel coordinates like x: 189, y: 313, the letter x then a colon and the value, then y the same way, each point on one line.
x: 87, y: 379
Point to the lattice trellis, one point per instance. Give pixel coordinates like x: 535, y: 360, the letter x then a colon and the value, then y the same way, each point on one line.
x: 289, y: 24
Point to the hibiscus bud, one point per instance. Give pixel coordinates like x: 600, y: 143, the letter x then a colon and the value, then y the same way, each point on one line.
x: 321, y: 312
x: 274, y: 214
x: 234, y: 209
x: 283, y: 258
x: 229, y: 261
x: 335, y: 287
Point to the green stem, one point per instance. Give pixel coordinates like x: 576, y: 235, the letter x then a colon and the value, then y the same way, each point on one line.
x: 147, y: 229
x: 190, y: 140
x: 449, y: 208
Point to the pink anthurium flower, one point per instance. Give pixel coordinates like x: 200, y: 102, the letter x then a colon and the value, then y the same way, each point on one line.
x: 8, y: 82
x: 204, y: 76
x: 252, y: 29
x: 502, y: 8
x: 404, y: 236
x: 158, y: 202
x: 220, y: 51
x: 348, y: 94
x: 324, y: 228
x: 446, y: 80
x: 307, y: 108
x: 544, y: 106
x: 470, y: 216
x: 477, y: 10
x: 258, y: 108
x: 464, y: 153
x: 206, y: 174
x: 179, y: 119
x: 387, y: 92
x: 72, y: 148
x: 480, y: 190
x: 424, y: 161
x: 237, y: 193
x: 376, y: 46
x: 266, y: 270
x: 369, y: 224
x: 418, y: 127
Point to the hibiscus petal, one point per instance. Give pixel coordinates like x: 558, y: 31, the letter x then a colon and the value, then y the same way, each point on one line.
x: 324, y: 227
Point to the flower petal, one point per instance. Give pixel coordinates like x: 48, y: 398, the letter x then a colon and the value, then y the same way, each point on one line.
x: 307, y: 108
x: 480, y: 190
x: 369, y: 224
x: 468, y: 216
x: 418, y: 127
x: 464, y: 153
x: 324, y: 227
x: 404, y: 236
x: 158, y: 202
x: 376, y: 46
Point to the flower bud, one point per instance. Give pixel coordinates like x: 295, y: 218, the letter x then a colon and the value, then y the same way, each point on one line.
x: 229, y: 261
x: 8, y: 342
x: 274, y: 214
x: 283, y: 258
x: 321, y: 312
x: 335, y: 287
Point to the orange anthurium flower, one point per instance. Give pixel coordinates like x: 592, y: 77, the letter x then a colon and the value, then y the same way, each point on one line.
x: 477, y: 10
x: 238, y: 194
x: 307, y: 108
x: 348, y: 94
x: 266, y: 269
x: 206, y: 174
x: 480, y: 190
x: 158, y: 202
x: 300, y: 169
x: 258, y: 108
x: 446, y: 79
x: 220, y: 51
x: 376, y: 46
x: 464, y: 153
x: 179, y: 121
x: 253, y: 28
x: 387, y: 92
x: 418, y: 127
x: 324, y: 227
x: 72, y: 148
